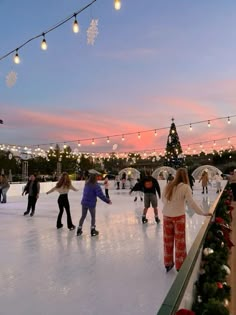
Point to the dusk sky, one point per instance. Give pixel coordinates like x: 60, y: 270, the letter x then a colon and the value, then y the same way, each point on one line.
x: 152, y: 60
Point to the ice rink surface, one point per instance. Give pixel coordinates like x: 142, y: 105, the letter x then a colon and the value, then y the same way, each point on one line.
x: 45, y: 271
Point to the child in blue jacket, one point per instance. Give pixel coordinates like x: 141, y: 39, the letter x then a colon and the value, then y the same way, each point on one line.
x: 92, y: 190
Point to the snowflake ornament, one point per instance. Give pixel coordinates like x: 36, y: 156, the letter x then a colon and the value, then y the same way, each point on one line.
x: 11, y: 79
x: 92, y: 32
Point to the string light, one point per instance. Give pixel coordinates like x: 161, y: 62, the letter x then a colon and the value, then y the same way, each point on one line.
x: 228, y: 140
x: 16, y: 57
x: 75, y: 25
x: 229, y: 121
x: 117, y: 4
x: 93, y: 142
x: 214, y: 143
x: 209, y: 123
x: 44, y: 45
x: 108, y: 140
x: 155, y: 133
x: 190, y: 127
x: 79, y: 144
x: 139, y: 133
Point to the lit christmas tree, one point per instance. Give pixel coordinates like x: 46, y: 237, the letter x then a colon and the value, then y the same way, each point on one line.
x: 173, y: 156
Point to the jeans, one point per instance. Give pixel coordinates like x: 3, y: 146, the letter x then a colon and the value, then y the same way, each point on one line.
x: 84, y: 214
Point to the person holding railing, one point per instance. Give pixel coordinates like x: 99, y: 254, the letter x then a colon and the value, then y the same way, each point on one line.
x: 174, y: 197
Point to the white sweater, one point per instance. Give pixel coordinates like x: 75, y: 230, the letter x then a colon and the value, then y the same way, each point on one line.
x: 62, y: 190
x: 176, y: 206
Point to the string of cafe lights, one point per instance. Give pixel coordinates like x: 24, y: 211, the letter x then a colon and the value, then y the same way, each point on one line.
x: 123, y: 136
x: 205, y: 147
x: 38, y: 147
x: 75, y: 27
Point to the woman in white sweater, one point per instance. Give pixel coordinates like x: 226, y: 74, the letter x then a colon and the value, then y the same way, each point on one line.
x: 62, y: 187
x: 174, y: 198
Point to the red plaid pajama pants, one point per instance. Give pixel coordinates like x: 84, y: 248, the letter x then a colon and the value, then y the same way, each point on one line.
x: 174, y: 236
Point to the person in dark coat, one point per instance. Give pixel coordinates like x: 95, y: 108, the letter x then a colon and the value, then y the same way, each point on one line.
x: 150, y: 187
x: 92, y: 190
x: 31, y: 189
x: 138, y: 190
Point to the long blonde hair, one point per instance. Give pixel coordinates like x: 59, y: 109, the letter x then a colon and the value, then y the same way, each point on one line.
x: 181, y: 176
x: 64, y: 181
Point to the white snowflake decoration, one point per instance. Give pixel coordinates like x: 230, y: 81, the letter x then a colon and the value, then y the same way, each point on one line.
x: 11, y: 79
x: 92, y: 32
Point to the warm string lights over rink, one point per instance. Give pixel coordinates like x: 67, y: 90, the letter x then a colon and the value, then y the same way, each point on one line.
x: 92, y: 31
x: 73, y: 148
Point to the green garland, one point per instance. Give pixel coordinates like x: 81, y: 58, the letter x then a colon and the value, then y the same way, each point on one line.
x: 212, y: 292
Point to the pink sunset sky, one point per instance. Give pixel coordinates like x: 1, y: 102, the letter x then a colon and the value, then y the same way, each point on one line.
x: 151, y: 62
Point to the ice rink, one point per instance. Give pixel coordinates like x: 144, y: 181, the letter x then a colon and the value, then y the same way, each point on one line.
x: 45, y: 271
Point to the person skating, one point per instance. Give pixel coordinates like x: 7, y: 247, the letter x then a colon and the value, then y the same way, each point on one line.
x: 91, y: 191
x: 5, y: 186
x: 174, y: 197
x: 106, y: 186
x: 62, y: 187
x: 138, y: 190
x: 32, y: 188
x: 205, y: 180
x: 150, y: 187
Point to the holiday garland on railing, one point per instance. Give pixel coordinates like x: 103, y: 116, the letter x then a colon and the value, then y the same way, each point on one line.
x: 212, y: 291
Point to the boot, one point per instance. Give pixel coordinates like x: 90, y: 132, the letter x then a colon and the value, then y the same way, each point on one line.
x: 79, y: 231
x: 157, y: 220
x: 144, y: 219
x: 94, y: 232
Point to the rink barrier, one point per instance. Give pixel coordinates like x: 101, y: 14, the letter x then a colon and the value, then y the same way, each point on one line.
x: 181, y: 292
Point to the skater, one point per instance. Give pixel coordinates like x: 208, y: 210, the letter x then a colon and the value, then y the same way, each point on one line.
x: 4, y: 186
x: 62, y: 187
x: 138, y: 190
x: 32, y: 188
x: 232, y: 181
x: 117, y: 181
x: 204, y: 179
x: 106, y: 185
x: 174, y: 197
x: 218, y: 179
x: 123, y: 180
x: 92, y: 190
x: 150, y: 187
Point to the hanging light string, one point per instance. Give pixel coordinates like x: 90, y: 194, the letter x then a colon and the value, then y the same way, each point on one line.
x: 16, y: 50
x: 93, y: 140
x: 189, y: 148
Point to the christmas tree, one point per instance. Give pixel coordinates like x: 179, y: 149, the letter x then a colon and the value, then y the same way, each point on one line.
x: 173, y: 156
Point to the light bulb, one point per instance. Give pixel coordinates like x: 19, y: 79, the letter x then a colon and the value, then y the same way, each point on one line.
x: 209, y: 124
x: 108, y: 140
x: 44, y: 45
x: 75, y: 26
x: 155, y: 133
x: 139, y: 136
x: 123, y: 138
x: 229, y: 121
x: 16, y: 58
x: 117, y: 4
x: 190, y: 127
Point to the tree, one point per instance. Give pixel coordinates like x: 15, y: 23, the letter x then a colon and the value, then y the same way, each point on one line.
x: 173, y: 156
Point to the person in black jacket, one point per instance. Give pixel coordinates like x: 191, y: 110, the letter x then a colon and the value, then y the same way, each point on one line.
x: 138, y: 190
x: 32, y: 188
x: 150, y: 187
